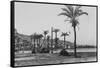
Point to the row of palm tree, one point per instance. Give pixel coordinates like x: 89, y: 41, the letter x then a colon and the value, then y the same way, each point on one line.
x: 36, y: 38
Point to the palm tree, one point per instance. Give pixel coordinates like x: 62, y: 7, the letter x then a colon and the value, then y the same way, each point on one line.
x: 45, y: 33
x: 64, y: 35
x: 48, y: 41
x: 40, y: 37
x: 51, y: 40
x: 72, y: 13
x: 33, y: 39
x: 56, y: 39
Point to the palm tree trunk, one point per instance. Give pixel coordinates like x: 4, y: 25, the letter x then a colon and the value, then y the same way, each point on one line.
x: 39, y: 42
x: 48, y: 43
x: 37, y: 45
x: 52, y: 40
x: 45, y: 41
x: 55, y: 39
x: 34, y: 46
x: 75, y: 53
x: 64, y: 41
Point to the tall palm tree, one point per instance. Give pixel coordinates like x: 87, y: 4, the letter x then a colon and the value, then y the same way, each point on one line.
x: 72, y: 13
x: 56, y: 39
x: 51, y: 40
x: 64, y: 35
x: 48, y: 41
x: 45, y: 33
x: 40, y: 37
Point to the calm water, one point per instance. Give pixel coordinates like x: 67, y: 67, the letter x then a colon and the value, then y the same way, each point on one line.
x: 81, y: 50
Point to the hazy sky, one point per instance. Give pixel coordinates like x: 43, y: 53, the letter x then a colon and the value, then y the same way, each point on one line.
x: 35, y: 17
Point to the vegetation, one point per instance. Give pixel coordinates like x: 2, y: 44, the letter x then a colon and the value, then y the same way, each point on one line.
x: 45, y: 36
x: 64, y: 35
x: 72, y: 13
x: 56, y: 39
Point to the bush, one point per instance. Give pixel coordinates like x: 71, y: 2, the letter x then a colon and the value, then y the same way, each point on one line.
x: 63, y: 52
x: 44, y: 50
x: 33, y: 51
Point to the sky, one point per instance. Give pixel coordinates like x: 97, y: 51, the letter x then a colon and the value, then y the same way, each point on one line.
x: 36, y: 17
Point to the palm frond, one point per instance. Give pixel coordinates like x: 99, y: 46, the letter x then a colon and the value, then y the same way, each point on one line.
x: 45, y: 32
x: 65, y: 14
x: 40, y: 35
x: 56, y: 30
x: 71, y: 9
x: 64, y: 34
x: 66, y: 20
x: 77, y: 10
x: 83, y: 13
x: 67, y: 11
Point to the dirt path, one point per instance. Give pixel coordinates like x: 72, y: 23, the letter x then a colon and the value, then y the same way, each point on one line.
x: 40, y: 59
